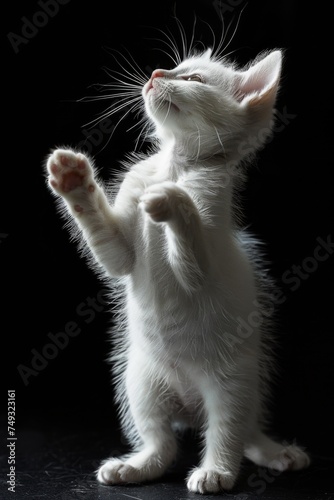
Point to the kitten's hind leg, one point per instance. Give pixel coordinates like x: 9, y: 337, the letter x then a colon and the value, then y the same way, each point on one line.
x: 265, y: 452
x: 155, y: 445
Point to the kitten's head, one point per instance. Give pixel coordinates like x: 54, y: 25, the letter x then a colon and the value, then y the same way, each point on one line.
x: 211, y: 105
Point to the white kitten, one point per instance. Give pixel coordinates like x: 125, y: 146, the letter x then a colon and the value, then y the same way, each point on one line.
x: 194, y: 306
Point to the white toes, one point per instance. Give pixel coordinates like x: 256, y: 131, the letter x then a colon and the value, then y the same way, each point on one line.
x: 290, y: 458
x: 116, y: 472
x: 209, y: 481
x: 155, y: 202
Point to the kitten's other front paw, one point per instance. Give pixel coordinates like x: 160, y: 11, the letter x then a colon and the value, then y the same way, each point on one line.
x: 167, y: 200
x: 156, y: 201
x: 209, y: 481
x: 68, y: 171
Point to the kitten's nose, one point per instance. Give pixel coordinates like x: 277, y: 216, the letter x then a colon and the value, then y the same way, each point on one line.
x: 157, y: 73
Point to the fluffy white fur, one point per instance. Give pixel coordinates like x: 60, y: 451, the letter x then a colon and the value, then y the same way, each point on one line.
x: 192, y: 347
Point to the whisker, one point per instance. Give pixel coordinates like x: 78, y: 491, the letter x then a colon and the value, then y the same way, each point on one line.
x: 192, y: 36
x: 111, y: 110
x: 133, y: 64
x: 126, y: 74
x: 219, y: 139
x: 171, y: 44
x: 117, y: 124
x: 212, y: 32
x: 221, y: 46
x: 198, y: 142
x: 105, y: 97
x: 183, y: 36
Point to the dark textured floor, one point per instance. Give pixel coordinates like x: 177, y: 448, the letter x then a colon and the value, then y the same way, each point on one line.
x: 56, y: 462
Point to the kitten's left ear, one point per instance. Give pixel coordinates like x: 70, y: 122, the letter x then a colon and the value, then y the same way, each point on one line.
x: 257, y: 86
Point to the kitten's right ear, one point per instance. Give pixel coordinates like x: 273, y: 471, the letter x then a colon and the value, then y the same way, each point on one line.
x: 257, y: 86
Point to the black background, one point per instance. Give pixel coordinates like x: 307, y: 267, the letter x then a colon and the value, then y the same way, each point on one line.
x: 288, y: 199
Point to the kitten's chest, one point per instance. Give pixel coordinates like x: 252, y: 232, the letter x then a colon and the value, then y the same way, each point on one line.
x: 167, y: 324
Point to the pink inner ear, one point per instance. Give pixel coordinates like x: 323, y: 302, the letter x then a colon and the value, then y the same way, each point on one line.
x: 260, y: 77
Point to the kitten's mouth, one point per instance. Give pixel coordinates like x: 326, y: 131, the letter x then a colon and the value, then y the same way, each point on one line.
x: 149, y: 86
x: 160, y: 98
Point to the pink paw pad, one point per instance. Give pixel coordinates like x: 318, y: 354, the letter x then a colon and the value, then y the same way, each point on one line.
x: 69, y: 171
x: 54, y: 168
x: 71, y: 180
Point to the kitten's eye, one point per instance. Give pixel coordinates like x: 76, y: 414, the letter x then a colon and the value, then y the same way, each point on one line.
x: 194, y: 78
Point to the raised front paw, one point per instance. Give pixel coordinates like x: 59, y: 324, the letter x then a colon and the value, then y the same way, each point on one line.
x: 68, y: 171
x: 166, y: 200
x: 209, y: 481
x: 156, y: 201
